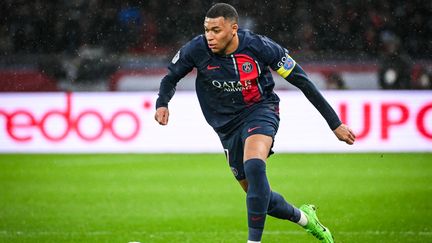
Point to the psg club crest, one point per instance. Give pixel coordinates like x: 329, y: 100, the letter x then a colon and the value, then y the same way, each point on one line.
x: 247, y: 67
x: 234, y: 171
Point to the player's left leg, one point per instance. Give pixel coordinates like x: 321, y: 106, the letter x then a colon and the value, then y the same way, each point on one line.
x: 279, y: 208
x: 314, y: 226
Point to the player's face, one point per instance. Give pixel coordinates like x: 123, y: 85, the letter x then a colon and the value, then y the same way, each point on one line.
x: 221, y: 35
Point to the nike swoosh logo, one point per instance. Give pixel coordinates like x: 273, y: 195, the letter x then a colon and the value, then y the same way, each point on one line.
x: 209, y: 67
x: 253, y: 128
x: 322, y: 226
x: 256, y: 218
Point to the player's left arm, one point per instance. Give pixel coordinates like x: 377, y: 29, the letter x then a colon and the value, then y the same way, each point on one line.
x: 293, y: 73
x: 279, y: 60
x: 345, y: 134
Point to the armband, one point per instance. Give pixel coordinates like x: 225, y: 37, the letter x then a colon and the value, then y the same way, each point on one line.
x: 287, y: 66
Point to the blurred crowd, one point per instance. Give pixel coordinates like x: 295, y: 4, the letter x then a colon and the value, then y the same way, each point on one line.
x: 89, y: 40
x: 148, y: 27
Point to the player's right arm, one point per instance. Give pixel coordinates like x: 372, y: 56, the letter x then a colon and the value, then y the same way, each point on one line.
x: 180, y: 65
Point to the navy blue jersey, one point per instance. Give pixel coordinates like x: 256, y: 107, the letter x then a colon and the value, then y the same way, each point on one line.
x: 231, y: 86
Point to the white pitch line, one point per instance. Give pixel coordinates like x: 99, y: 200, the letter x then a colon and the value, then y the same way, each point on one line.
x: 368, y: 232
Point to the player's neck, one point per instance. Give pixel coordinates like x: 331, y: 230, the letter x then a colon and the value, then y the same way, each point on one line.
x: 232, y: 45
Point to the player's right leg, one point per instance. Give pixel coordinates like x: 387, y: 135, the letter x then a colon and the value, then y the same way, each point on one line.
x: 305, y: 216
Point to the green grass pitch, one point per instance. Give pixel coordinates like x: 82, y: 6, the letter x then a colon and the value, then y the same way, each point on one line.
x: 194, y: 197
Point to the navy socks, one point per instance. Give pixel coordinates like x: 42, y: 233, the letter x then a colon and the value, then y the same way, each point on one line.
x: 258, y: 197
x: 279, y: 208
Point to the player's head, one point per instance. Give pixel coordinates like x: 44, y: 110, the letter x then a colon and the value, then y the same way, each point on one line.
x: 220, y: 26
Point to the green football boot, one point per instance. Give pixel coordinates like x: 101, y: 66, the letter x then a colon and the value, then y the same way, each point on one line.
x: 314, y: 226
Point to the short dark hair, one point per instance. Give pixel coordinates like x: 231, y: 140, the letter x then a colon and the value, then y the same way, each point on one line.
x: 223, y: 10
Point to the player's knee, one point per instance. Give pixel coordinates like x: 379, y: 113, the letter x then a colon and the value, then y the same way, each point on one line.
x: 254, y: 168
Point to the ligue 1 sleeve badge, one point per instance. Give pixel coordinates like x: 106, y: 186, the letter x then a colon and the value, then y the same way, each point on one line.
x: 289, y: 63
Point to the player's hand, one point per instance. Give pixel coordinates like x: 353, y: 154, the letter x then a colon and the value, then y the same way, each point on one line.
x: 344, y: 133
x: 161, y: 115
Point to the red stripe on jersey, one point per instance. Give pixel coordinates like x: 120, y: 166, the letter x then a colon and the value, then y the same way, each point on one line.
x: 248, y: 72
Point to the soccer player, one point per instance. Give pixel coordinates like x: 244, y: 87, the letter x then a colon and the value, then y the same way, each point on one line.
x: 235, y: 90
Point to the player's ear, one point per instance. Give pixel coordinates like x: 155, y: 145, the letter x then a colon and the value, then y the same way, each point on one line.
x: 234, y: 27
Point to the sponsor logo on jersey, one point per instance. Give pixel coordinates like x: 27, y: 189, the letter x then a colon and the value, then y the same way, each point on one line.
x: 232, y: 86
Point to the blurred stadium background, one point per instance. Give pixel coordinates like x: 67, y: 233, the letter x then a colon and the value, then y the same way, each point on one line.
x: 88, y: 45
x: 82, y: 76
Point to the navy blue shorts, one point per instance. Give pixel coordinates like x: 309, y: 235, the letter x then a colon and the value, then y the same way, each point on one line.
x: 264, y: 120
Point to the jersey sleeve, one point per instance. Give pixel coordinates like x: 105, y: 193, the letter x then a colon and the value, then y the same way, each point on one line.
x: 299, y: 78
x: 181, y: 64
x: 278, y: 59
x: 274, y: 56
